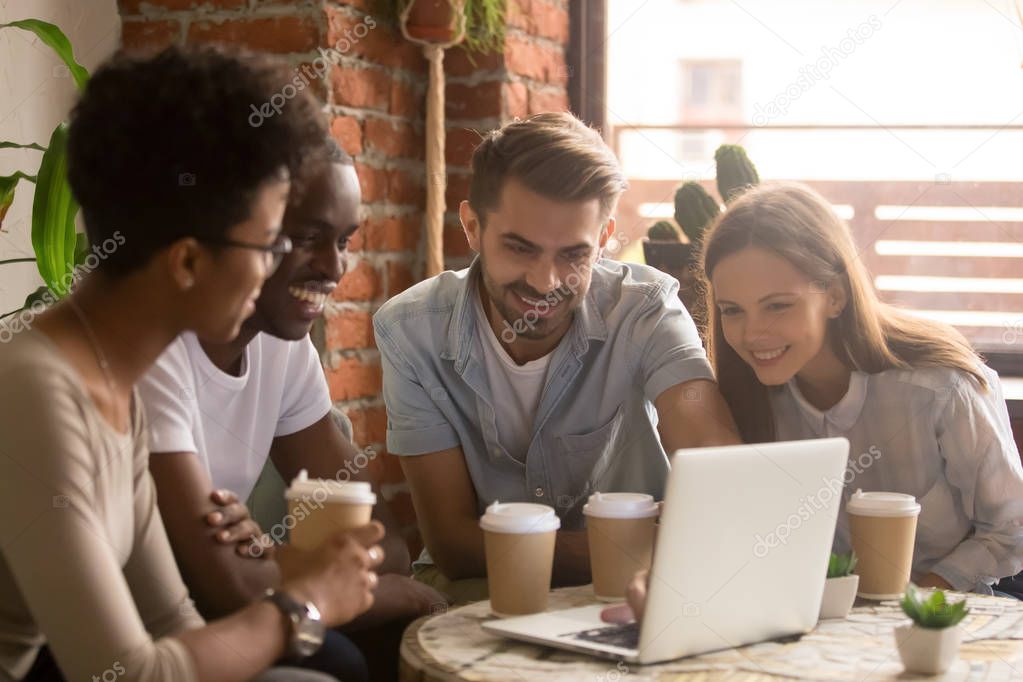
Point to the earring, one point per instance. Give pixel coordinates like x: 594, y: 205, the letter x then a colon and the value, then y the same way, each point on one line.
x: 187, y: 283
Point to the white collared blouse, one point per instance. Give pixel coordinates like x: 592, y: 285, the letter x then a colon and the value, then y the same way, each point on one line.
x: 936, y: 434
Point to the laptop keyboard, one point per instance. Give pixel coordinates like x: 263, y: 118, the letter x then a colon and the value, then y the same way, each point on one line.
x: 622, y: 636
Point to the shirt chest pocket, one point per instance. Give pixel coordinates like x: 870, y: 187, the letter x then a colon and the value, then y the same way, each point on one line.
x: 588, y: 455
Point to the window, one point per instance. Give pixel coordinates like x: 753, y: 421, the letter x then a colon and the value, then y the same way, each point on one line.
x: 916, y: 144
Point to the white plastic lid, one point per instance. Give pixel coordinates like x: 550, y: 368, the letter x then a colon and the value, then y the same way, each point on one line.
x: 621, y: 506
x: 329, y: 489
x: 882, y: 504
x: 519, y: 517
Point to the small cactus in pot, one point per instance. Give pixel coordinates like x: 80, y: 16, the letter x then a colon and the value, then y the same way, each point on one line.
x: 663, y: 231
x: 695, y: 212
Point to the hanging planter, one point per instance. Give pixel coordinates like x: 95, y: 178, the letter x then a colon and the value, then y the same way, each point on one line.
x: 437, y: 25
x: 433, y: 21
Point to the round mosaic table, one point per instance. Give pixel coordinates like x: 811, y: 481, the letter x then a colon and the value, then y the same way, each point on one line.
x: 452, y: 646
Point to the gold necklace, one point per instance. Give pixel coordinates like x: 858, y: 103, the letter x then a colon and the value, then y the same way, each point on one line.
x: 101, y: 357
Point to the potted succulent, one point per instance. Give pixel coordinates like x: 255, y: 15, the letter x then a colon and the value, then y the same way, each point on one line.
x: 840, y: 586
x: 695, y: 210
x: 930, y: 644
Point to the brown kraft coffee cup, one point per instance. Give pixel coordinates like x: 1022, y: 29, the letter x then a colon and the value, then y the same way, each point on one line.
x: 323, y: 507
x: 620, y: 528
x: 518, y: 539
x: 882, y: 527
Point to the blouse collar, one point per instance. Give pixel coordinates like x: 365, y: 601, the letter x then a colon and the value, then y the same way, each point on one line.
x: 844, y: 414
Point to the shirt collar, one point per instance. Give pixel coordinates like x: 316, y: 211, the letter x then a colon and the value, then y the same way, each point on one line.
x: 588, y: 323
x: 844, y: 414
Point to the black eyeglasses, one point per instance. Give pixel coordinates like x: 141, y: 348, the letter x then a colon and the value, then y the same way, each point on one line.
x: 274, y: 252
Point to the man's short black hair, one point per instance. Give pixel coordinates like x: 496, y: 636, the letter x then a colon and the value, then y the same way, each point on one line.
x: 166, y: 147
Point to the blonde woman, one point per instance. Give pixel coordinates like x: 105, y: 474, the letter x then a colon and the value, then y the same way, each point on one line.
x: 803, y: 348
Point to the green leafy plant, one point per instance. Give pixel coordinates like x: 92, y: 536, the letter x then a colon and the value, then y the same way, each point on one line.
x: 58, y: 247
x: 935, y: 612
x: 485, y: 21
x: 841, y: 565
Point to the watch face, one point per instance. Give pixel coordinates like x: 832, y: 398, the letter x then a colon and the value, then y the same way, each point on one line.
x: 308, y: 637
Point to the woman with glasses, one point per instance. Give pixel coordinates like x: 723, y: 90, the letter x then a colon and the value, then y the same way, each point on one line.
x: 273, y: 253
x: 164, y: 162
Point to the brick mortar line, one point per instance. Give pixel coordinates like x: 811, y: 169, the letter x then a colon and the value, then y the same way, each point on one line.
x: 504, y: 77
x: 381, y: 161
x: 335, y: 308
x: 405, y: 75
x: 535, y: 39
x: 364, y: 115
x: 534, y: 84
x: 379, y: 210
x: 220, y: 15
x: 360, y: 403
x: 367, y: 356
x: 478, y: 77
x: 478, y: 124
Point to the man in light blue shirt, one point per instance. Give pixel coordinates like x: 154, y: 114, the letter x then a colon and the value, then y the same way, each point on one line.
x: 541, y: 373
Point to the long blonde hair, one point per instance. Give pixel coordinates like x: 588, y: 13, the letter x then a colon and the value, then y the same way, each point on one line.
x: 798, y: 224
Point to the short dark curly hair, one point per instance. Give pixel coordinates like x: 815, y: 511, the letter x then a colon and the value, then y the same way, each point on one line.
x: 164, y: 147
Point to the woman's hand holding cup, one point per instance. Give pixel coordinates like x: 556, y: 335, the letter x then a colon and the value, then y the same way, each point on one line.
x: 338, y: 577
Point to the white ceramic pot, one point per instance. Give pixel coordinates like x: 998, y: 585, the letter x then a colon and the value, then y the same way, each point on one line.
x: 926, y: 650
x: 839, y: 595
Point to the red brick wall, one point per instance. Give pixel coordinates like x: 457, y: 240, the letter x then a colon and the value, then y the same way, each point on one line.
x: 374, y: 101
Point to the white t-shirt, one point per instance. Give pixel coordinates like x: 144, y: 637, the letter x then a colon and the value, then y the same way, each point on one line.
x: 231, y: 421
x: 515, y: 389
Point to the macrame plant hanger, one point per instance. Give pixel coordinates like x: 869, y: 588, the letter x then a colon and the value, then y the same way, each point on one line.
x: 435, y: 37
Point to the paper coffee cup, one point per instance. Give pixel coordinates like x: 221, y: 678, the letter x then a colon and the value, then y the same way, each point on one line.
x: 882, y: 527
x: 621, y: 528
x: 322, y: 507
x: 518, y: 539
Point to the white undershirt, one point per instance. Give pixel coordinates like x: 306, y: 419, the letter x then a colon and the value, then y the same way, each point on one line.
x: 515, y: 389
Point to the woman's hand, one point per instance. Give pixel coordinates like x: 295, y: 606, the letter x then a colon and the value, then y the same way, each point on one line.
x: 635, y: 598
x: 934, y: 580
x: 337, y: 577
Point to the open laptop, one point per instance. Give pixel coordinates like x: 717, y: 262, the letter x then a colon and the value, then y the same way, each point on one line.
x: 741, y: 556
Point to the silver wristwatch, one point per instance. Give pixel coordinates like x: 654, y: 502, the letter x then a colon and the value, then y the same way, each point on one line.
x: 306, y: 627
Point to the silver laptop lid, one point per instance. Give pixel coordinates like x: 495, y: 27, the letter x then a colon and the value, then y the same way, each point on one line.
x: 743, y: 546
